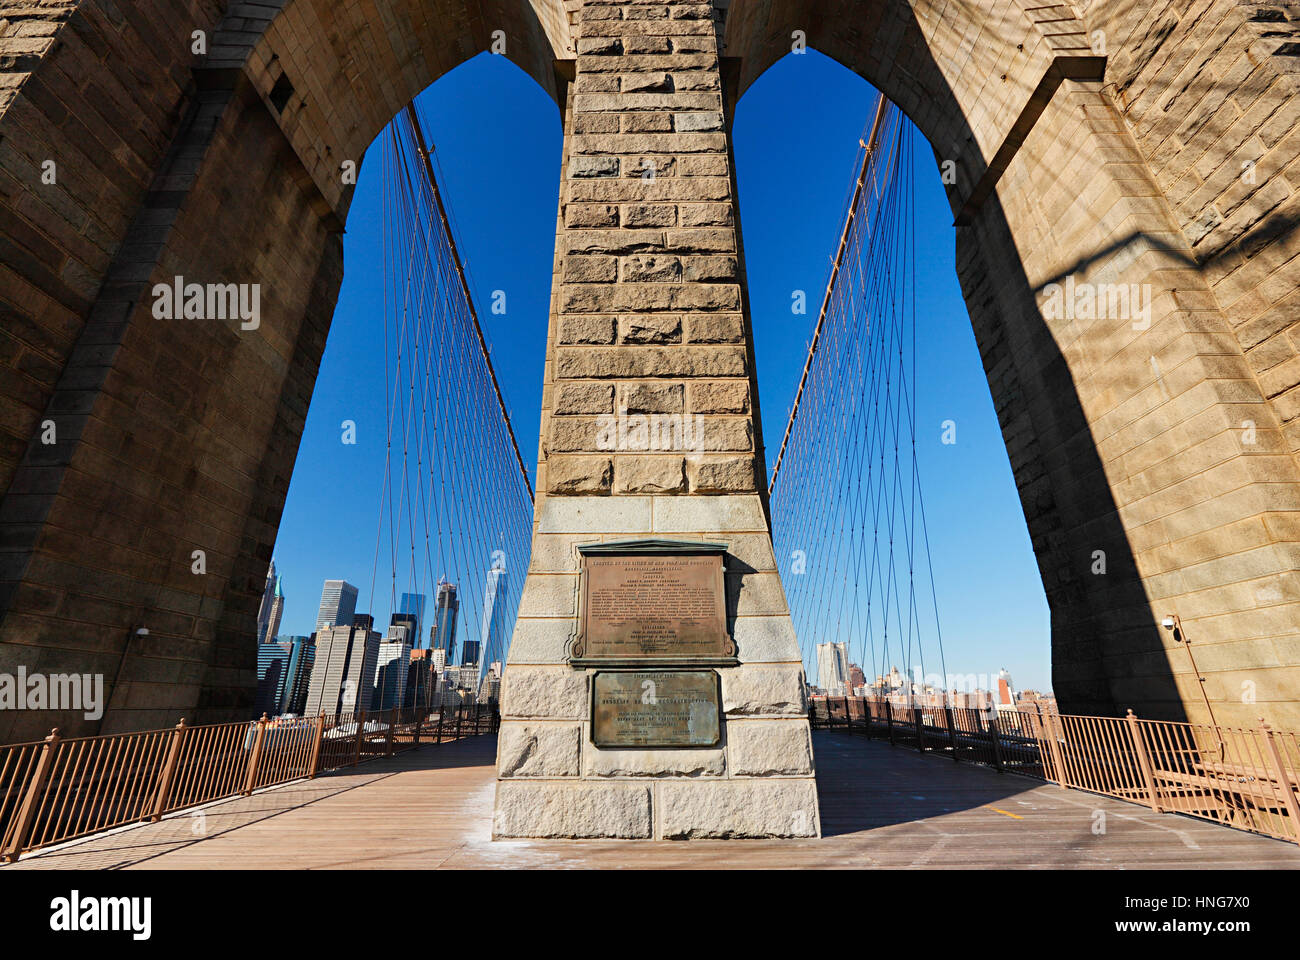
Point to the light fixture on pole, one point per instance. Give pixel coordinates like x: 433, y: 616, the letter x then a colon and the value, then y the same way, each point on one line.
x: 1174, y: 623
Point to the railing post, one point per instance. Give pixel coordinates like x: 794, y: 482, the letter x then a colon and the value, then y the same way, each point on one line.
x: 918, y: 714
x: 1283, y: 779
x: 889, y: 721
x: 313, y: 765
x: 1054, y: 746
x: 168, y: 773
x: 1144, y: 761
x: 255, y: 758
x: 360, y: 717
x: 952, y: 733
x: 419, y: 725
x: 441, y: 711
x: 32, y: 801
x: 996, y: 733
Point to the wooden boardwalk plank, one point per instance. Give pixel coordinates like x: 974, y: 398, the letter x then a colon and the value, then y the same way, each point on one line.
x: 881, y: 807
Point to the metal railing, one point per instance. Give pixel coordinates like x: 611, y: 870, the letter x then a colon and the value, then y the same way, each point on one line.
x: 1243, y: 778
x: 57, y: 789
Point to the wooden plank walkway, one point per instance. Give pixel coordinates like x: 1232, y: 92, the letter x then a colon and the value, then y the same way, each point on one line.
x: 881, y: 807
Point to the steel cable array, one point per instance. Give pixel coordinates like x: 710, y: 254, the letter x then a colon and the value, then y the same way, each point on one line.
x: 849, y: 523
x: 456, y: 501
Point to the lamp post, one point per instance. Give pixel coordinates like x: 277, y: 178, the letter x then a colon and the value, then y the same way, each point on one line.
x: 140, y: 631
x: 1174, y: 624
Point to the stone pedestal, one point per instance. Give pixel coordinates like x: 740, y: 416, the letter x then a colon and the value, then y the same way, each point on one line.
x: 651, y: 430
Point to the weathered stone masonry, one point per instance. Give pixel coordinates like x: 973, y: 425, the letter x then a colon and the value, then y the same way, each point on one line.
x: 648, y: 431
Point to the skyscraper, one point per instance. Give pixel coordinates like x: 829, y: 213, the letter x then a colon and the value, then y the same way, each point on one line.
x: 264, y: 630
x: 445, y: 615
x: 277, y: 611
x: 1006, y: 698
x: 393, y: 664
x: 492, y: 638
x: 469, y: 653
x: 343, y: 676
x: 284, y: 668
x: 338, y: 604
x: 833, y: 668
x: 421, y: 678
x: 413, y: 604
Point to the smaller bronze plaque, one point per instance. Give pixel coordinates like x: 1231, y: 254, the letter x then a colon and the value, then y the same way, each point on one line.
x: 658, y: 708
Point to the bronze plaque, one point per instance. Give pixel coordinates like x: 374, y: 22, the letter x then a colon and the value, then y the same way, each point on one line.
x: 664, y: 607
x: 658, y: 708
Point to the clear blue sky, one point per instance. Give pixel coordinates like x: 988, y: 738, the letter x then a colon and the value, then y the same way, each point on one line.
x: 498, y: 138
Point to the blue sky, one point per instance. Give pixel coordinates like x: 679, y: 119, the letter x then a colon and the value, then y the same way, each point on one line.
x: 498, y: 139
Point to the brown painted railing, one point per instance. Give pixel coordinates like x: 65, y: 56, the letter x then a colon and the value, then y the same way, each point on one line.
x: 1248, y: 779
x: 58, y: 789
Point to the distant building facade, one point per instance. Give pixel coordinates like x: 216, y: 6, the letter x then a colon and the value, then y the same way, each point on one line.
x: 284, y: 668
x: 412, y: 604
x: 445, y: 613
x: 394, y: 662
x: 833, y: 668
x: 338, y: 604
x: 267, y: 610
x: 342, y: 677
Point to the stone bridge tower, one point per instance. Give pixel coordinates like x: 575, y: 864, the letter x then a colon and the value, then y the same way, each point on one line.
x: 651, y: 431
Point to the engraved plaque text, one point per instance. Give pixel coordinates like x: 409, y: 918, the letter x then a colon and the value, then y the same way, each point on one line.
x: 666, y: 607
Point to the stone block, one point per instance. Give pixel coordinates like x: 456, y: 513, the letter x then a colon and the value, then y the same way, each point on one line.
x: 650, y: 328
x: 582, y: 810
x: 652, y: 397
x: 715, y: 328
x: 736, y: 809
x: 548, y: 595
x: 763, y: 690
x: 538, y: 749
x: 697, y: 122
x: 589, y: 398
x: 626, y: 515
x: 720, y: 397
x: 540, y: 641
x: 601, y: 763
x: 586, y: 330
x: 765, y: 639
x: 591, y: 215
x: 705, y: 269
x: 651, y: 269
x: 769, y: 748
x: 721, y: 475
x: 649, y: 215
x: 709, y: 515
x: 584, y: 167
x: 649, y: 361
x: 590, y: 269
x: 579, y: 475
x: 649, y: 474
x: 546, y: 693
